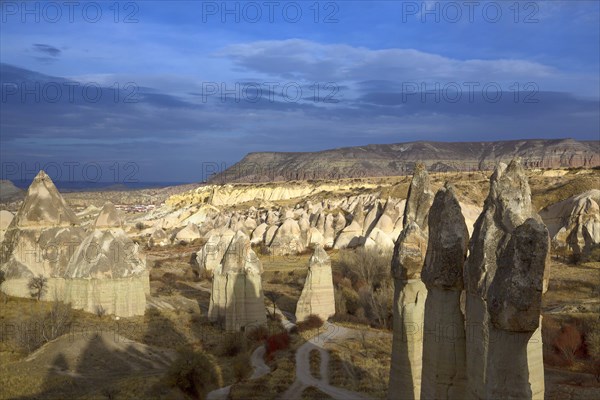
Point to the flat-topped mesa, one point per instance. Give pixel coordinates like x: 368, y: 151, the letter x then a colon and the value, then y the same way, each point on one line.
x: 419, y: 198
x: 44, y: 206
x: 444, y: 372
x: 505, y: 277
x: 409, y: 291
x: 447, y: 245
x: 109, y: 217
x: 317, y: 295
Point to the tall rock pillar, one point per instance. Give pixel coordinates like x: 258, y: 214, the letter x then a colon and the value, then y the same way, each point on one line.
x: 410, y: 292
x: 444, y: 344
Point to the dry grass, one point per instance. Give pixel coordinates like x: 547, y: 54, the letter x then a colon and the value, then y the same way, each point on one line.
x: 270, y: 386
x: 312, y: 393
x: 315, y: 363
x: 362, y: 366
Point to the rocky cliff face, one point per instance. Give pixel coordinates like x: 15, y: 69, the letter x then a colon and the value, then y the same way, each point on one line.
x: 401, y: 158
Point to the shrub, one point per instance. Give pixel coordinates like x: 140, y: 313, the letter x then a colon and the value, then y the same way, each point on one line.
x: 37, y: 286
x: 258, y: 334
x: 568, y: 342
x: 194, y: 373
x: 241, y: 367
x: 365, y: 266
x: 310, y: 322
x: 233, y: 344
x: 276, y: 342
x: 100, y: 311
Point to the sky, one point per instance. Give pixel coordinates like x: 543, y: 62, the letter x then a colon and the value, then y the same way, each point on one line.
x: 157, y: 91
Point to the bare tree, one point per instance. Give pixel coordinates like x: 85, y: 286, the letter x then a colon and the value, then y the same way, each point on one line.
x: 2, y: 280
x: 273, y: 296
x: 37, y: 286
x: 57, y: 321
x: 368, y: 265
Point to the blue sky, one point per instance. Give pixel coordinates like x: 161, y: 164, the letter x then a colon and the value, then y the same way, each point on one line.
x: 354, y: 73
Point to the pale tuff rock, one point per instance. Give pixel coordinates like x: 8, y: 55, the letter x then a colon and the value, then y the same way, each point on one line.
x: 505, y: 279
x: 385, y: 224
x: 44, y: 206
x: 107, y: 272
x: 304, y: 225
x: 444, y: 342
x: 317, y: 295
x: 287, y: 239
x: 204, y: 213
x: 188, y: 234
x: 410, y: 293
x: 6, y: 218
x: 339, y: 223
x: 372, y: 218
x: 574, y: 223
x: 40, y: 240
x: 237, y: 298
x: 315, y: 238
x: 471, y: 213
x: 258, y: 234
x: 159, y: 237
x: 409, y: 253
x: 350, y: 236
x: 328, y: 231
x: 210, y: 256
x: 108, y: 217
x: 379, y: 241
x: 270, y: 234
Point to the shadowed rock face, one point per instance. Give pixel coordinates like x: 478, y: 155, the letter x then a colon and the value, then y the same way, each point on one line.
x: 505, y: 279
x: 447, y: 246
x: 507, y: 206
x: 444, y: 356
x: 419, y: 198
x: 515, y: 295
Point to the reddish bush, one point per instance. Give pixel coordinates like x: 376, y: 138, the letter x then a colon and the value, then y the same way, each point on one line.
x: 568, y: 342
x: 310, y: 322
x: 276, y: 342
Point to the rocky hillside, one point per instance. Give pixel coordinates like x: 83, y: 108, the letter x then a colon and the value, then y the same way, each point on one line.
x: 400, y: 158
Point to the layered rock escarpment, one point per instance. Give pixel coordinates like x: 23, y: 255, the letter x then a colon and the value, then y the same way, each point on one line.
x: 317, y: 295
x: 410, y: 292
x: 107, y: 273
x: 237, y: 299
x: 504, y: 282
x: 444, y: 341
x: 40, y: 240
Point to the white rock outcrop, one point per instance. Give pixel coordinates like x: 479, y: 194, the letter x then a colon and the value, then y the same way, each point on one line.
x: 237, y: 299
x: 317, y: 295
